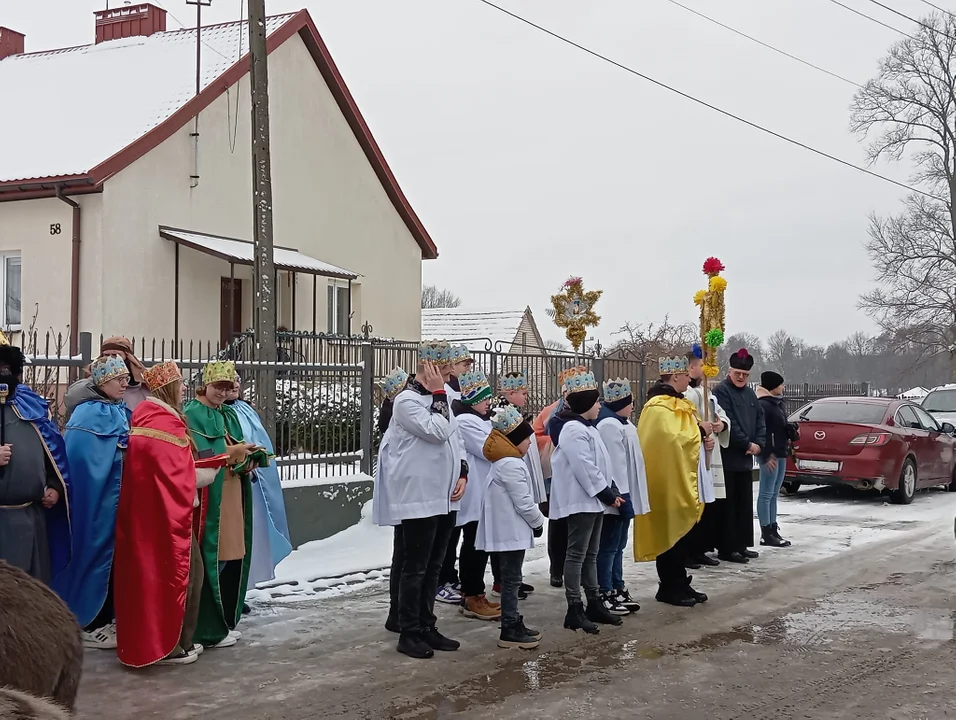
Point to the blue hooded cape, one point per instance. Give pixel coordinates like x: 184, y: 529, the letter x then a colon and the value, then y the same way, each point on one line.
x: 95, y: 437
x: 34, y: 409
x: 271, y: 540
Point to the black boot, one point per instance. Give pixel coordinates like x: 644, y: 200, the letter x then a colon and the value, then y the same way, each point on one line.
x: 698, y: 596
x: 679, y: 597
x: 734, y: 557
x: 436, y: 641
x: 412, y: 644
x: 391, y: 624
x: 751, y: 554
x: 557, y: 581
x: 598, y: 613
x: 768, y: 537
x: 708, y: 561
x: 776, y: 533
x: 576, y: 619
x: 518, y: 636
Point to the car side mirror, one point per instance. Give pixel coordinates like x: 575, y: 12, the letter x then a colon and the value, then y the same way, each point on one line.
x: 948, y: 428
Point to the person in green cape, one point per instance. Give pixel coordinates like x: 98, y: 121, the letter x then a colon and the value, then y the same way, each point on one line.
x: 224, y: 515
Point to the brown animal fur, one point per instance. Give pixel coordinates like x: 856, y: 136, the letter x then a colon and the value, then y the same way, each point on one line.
x: 16, y: 705
x: 41, y: 649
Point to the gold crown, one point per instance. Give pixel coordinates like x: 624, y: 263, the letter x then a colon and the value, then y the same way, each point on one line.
x: 219, y: 372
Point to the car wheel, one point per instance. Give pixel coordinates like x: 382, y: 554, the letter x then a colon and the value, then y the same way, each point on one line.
x: 792, y: 487
x: 907, y: 489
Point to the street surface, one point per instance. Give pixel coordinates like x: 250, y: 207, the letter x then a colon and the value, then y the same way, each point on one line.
x: 855, y: 620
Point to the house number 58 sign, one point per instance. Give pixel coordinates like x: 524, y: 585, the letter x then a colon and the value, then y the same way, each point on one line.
x: 55, y: 229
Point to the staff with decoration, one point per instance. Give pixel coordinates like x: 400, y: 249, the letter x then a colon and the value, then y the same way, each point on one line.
x: 712, y: 328
x: 573, y: 310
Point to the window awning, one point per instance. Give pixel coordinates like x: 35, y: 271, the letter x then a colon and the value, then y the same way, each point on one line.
x: 240, y: 252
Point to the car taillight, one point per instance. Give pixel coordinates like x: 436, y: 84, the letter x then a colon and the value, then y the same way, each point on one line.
x: 871, y: 439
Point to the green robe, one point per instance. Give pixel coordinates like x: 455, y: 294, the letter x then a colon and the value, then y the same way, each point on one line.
x: 223, y: 595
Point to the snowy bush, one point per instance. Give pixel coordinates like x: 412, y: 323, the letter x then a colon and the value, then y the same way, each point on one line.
x: 318, y: 418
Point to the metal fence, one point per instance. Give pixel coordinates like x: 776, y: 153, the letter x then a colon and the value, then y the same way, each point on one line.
x: 328, y: 388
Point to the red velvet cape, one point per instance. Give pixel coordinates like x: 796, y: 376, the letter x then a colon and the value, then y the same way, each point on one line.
x: 154, y: 527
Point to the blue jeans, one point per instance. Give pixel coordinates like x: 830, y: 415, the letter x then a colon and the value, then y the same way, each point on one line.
x: 610, y: 559
x: 770, y: 484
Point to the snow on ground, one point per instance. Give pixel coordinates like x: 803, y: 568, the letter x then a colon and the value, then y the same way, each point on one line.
x: 308, y: 470
x: 821, y: 522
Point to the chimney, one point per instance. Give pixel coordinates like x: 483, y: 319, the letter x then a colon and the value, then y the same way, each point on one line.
x: 140, y: 20
x: 11, y: 42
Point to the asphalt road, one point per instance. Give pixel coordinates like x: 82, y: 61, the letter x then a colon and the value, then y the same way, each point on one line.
x: 855, y: 620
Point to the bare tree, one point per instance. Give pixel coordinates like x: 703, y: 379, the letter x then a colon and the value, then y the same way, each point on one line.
x: 556, y: 345
x: 908, y: 111
x: 435, y: 297
x: 649, y: 342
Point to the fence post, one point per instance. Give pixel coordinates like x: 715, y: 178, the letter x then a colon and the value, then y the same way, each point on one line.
x: 642, y: 390
x: 367, y: 394
x: 865, y: 388
x: 597, y: 365
x: 86, y: 347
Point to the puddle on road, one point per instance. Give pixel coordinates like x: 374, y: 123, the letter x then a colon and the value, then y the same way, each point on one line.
x: 835, y: 618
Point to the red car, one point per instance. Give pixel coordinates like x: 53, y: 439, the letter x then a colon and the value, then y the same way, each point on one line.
x: 872, y: 444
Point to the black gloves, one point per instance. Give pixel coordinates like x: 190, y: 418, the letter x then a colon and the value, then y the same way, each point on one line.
x: 538, y: 531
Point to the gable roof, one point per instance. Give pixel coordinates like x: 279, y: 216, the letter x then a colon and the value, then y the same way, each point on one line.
x: 104, y: 106
x: 457, y: 324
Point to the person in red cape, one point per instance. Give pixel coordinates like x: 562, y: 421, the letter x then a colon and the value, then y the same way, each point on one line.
x: 158, y: 568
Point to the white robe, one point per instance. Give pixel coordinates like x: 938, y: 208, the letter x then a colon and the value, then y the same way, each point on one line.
x: 627, y: 461
x: 474, y: 431
x: 533, y: 461
x: 710, y: 483
x: 509, y: 512
x: 580, y: 469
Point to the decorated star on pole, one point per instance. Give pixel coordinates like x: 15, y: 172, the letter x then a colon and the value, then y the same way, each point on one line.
x: 573, y: 310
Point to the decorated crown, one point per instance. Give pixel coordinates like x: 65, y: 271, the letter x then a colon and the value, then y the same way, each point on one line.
x: 617, y: 389
x: 435, y: 351
x: 673, y: 365
x: 395, y: 382
x: 460, y: 353
x: 107, y: 368
x: 219, y: 372
x: 568, y: 372
x: 161, y: 375
x: 514, y: 381
x: 474, y: 387
x: 580, y: 382
x: 506, y: 419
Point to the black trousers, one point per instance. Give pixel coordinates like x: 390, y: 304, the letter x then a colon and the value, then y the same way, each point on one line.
x: 472, y: 562
x: 671, y: 564
x: 395, y: 573
x: 737, y: 524
x: 703, y: 536
x: 448, y: 572
x: 424, y: 542
x: 557, y: 542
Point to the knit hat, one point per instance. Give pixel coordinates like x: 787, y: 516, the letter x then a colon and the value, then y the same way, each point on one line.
x: 742, y: 360
x: 582, y: 392
x: 474, y: 387
x: 162, y: 375
x: 108, y: 368
x: 508, y: 421
x: 771, y: 380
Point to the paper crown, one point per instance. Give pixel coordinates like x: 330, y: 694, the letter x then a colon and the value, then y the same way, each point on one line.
x: 673, y: 365
x: 580, y: 382
x: 506, y: 419
x: 107, y: 368
x: 514, y: 381
x: 460, y: 353
x: 216, y: 372
x: 617, y: 389
x: 162, y: 375
x: 395, y: 382
x: 474, y: 387
x: 435, y: 351
x: 565, y: 374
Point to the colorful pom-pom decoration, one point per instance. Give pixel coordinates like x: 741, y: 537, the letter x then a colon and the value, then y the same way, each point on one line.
x: 717, y: 284
x: 698, y: 351
x: 714, y: 338
x: 711, y: 371
x: 713, y: 266
x: 699, y: 297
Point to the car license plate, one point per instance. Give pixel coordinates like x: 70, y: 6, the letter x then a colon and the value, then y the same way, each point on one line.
x: 818, y: 465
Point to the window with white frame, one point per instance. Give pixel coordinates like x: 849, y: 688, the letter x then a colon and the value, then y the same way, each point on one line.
x: 339, y: 307
x: 11, y: 289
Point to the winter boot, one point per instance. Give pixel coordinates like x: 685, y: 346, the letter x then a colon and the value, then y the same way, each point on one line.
x: 436, y: 641
x: 598, y: 613
x: 776, y: 532
x: 576, y: 619
x: 557, y: 581
x: 751, y: 554
x: 517, y: 636
x: 768, y: 537
x: 529, y: 631
x: 477, y: 607
x: 675, y: 596
x: 698, y: 596
x: 412, y: 644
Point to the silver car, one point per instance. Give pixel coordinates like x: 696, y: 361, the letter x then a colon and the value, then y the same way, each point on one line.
x: 941, y: 403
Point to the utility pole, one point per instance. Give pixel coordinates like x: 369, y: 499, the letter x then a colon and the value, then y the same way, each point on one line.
x: 264, y: 319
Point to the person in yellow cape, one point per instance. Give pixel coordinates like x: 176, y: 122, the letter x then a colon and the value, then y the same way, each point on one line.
x: 670, y: 435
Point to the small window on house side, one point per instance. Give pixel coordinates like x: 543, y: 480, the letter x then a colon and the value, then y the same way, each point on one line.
x: 11, y: 290
x: 338, y: 311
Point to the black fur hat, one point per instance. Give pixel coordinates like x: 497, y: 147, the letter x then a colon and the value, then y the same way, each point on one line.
x: 12, y: 357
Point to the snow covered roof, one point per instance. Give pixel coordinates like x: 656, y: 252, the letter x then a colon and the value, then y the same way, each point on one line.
x: 917, y: 392
x: 77, y: 116
x: 457, y: 324
x: 241, y: 253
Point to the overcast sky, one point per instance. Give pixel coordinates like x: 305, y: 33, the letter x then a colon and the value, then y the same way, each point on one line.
x: 530, y: 161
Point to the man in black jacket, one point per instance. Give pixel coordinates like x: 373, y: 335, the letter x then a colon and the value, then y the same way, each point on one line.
x: 747, y: 436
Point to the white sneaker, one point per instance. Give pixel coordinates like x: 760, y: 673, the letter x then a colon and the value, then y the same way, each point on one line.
x: 236, y: 634
x: 227, y: 641
x: 102, y: 639
x: 448, y: 594
x: 197, y: 648
x: 186, y: 658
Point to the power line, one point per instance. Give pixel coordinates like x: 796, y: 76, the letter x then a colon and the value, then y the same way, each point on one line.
x: 912, y: 19
x: 762, y: 43
x: 873, y: 19
x: 183, y: 26
x: 937, y: 7
x: 698, y: 101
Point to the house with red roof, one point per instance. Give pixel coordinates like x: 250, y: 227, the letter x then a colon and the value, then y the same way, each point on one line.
x: 126, y: 200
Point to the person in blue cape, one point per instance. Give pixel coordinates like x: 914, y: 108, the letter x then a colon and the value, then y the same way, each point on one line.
x: 271, y: 542
x: 35, y: 491
x: 96, y: 439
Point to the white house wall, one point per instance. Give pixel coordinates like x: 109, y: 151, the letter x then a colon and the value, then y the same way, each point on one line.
x: 328, y: 203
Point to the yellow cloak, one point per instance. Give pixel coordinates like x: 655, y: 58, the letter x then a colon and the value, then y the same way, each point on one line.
x: 670, y: 441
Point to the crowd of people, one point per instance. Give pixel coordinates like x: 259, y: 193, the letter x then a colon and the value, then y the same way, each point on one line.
x: 465, y: 476
x: 149, y: 516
